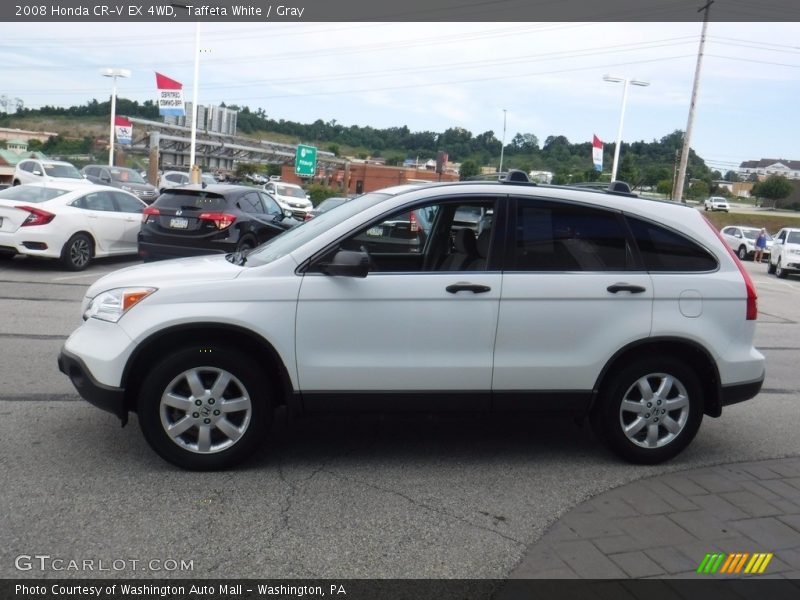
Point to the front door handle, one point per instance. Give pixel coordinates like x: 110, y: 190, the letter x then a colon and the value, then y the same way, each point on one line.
x: 467, y: 287
x: 625, y: 287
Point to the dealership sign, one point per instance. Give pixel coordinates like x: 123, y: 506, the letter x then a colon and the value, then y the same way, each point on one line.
x: 170, y: 96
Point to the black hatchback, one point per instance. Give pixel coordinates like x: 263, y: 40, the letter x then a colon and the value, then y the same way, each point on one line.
x: 215, y: 219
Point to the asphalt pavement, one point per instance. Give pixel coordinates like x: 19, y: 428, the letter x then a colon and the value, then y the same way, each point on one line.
x: 340, y: 497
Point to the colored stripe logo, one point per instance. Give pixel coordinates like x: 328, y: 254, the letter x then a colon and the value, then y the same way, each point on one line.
x: 735, y: 564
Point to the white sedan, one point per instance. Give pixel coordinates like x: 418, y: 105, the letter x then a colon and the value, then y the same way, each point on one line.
x: 72, y: 222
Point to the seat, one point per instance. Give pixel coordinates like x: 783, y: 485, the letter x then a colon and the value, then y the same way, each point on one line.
x: 465, y: 251
x: 482, y: 246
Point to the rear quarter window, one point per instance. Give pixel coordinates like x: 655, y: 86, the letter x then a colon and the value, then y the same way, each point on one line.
x: 662, y: 249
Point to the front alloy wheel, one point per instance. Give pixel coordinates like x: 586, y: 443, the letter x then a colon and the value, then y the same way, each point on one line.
x: 649, y: 411
x: 204, y: 407
x: 205, y: 410
x: 742, y: 253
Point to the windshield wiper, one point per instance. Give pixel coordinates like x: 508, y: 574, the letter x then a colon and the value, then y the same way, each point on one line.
x: 237, y: 258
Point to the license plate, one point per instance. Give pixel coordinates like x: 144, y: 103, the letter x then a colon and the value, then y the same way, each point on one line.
x: 375, y: 231
x: 178, y: 223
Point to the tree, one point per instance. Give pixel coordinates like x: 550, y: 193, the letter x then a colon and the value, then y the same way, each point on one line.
x: 628, y: 171
x: 469, y: 168
x: 697, y: 190
x: 664, y: 187
x: 732, y: 176
x: 774, y: 187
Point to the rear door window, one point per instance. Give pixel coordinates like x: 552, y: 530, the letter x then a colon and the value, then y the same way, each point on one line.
x: 555, y: 236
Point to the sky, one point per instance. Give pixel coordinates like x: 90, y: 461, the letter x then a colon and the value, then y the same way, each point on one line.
x: 541, y: 78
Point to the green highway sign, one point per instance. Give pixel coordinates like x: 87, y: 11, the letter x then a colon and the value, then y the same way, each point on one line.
x: 305, y: 161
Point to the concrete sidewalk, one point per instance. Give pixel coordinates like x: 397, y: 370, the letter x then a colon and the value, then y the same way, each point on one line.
x: 664, y: 526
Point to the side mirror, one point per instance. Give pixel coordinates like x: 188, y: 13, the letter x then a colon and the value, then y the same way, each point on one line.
x: 348, y: 263
x: 37, y: 172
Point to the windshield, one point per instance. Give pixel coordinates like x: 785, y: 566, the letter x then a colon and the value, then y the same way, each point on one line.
x: 292, y: 239
x: 752, y: 234
x: 68, y: 171
x: 208, y: 179
x: 126, y: 176
x: 31, y: 193
x: 294, y: 192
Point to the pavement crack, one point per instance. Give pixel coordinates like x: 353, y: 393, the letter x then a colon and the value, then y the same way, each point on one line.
x: 427, y: 507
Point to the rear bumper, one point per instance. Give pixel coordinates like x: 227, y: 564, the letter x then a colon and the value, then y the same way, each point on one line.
x: 733, y: 394
x: 108, y: 398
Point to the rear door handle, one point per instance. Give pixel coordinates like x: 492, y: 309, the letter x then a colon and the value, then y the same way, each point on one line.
x: 467, y: 287
x: 625, y: 287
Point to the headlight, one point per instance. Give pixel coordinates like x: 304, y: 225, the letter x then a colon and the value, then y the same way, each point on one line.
x: 112, y: 304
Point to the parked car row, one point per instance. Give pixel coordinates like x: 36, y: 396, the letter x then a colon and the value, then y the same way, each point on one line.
x: 75, y: 222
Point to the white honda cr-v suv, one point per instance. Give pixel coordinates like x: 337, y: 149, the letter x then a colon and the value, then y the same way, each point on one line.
x: 630, y: 312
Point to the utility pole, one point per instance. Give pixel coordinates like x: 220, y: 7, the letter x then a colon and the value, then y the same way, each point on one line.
x: 687, y: 137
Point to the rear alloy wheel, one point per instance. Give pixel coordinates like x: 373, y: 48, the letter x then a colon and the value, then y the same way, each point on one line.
x: 780, y: 271
x: 77, y: 252
x: 204, y: 408
x: 742, y: 253
x: 651, y: 410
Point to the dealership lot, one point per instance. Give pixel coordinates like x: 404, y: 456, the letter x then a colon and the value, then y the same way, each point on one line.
x: 326, y: 497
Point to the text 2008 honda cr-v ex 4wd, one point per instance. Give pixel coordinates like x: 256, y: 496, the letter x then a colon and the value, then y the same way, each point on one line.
x: 630, y: 312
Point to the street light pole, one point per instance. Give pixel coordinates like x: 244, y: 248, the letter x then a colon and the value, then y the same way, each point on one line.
x: 503, y: 143
x: 113, y: 73
x: 625, y: 81
x: 194, y: 170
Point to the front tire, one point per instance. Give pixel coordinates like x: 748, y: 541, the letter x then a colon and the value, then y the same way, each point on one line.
x: 780, y: 271
x: 77, y: 252
x: 742, y: 253
x: 649, y: 411
x: 205, y: 408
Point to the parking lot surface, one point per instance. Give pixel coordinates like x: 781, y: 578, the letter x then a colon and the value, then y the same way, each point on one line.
x: 353, y: 497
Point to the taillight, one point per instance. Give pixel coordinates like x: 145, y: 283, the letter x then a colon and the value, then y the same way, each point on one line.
x: 221, y: 220
x: 752, y: 296
x: 37, y: 216
x: 150, y: 210
x: 413, y: 222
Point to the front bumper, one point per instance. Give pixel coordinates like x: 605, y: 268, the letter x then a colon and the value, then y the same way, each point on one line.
x: 108, y: 398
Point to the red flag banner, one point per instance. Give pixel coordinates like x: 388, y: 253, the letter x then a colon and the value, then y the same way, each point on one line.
x: 170, y: 96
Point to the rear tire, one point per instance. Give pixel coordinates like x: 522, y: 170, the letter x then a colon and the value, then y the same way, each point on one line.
x: 770, y: 267
x: 650, y: 410
x: 205, y: 408
x: 77, y: 252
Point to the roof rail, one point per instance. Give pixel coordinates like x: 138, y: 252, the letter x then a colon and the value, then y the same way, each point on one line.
x: 618, y: 188
x: 510, y: 176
